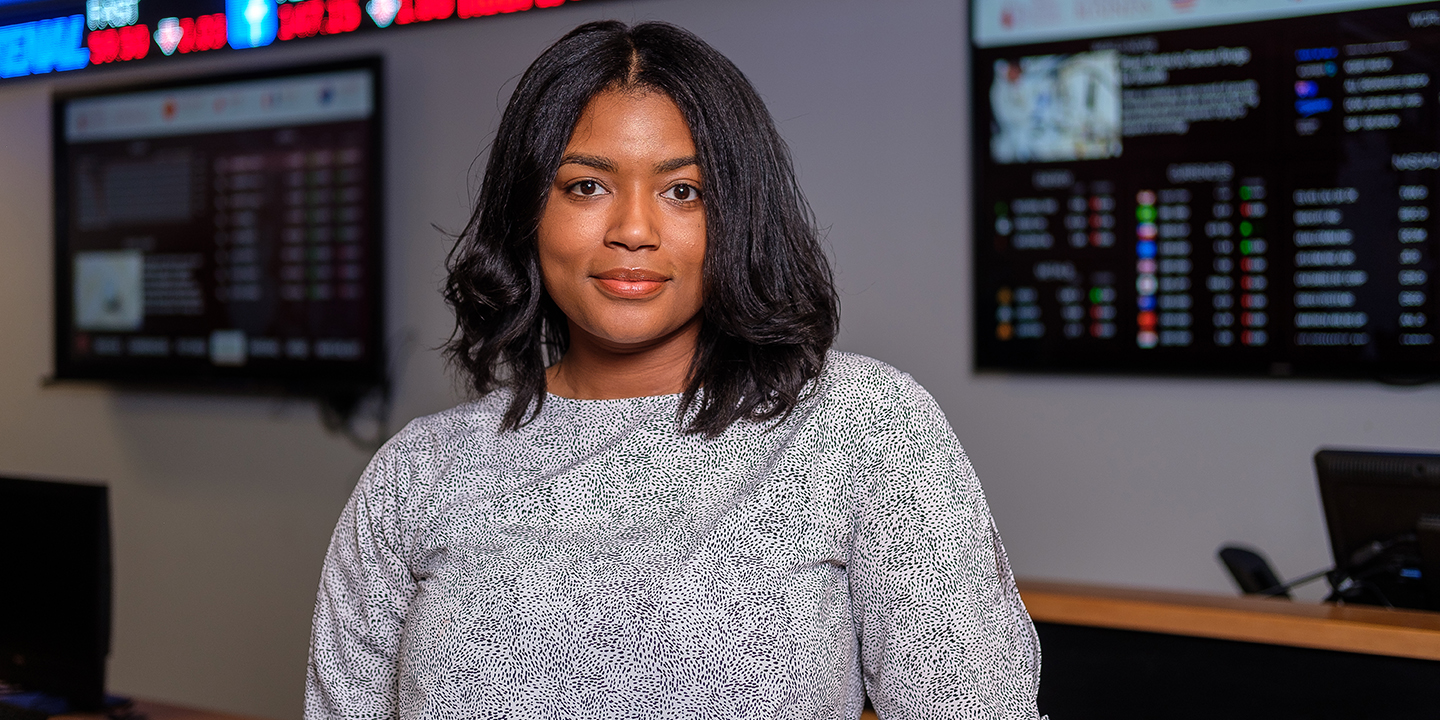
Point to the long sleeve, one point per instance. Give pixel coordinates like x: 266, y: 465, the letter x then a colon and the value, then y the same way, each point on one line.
x: 943, y: 632
x: 365, y: 589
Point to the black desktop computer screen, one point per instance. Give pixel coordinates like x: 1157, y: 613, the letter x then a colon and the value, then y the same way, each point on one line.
x: 55, y: 583
x: 1382, y: 510
x: 1186, y: 186
x: 222, y: 232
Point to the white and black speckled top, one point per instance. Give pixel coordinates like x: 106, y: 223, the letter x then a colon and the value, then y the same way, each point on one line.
x: 600, y: 564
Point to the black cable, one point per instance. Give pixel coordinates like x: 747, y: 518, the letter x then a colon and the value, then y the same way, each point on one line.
x: 338, y: 412
x: 1289, y: 585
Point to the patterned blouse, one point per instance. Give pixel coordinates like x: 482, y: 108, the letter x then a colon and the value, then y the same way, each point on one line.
x: 600, y: 564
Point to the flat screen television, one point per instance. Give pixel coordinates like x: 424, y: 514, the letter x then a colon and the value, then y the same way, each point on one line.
x: 56, y: 598
x: 1207, y: 187
x: 223, y: 232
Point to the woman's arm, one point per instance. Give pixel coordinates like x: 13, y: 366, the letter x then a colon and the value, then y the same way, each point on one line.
x: 365, y: 589
x: 943, y: 633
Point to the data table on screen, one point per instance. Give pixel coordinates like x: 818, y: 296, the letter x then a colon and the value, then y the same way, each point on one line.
x: 1245, y: 194
x: 225, y: 230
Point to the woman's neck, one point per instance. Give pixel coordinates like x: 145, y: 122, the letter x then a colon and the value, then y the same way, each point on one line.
x: 595, y: 370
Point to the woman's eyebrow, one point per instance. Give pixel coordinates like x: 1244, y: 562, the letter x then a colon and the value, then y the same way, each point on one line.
x: 676, y: 163
x: 592, y: 161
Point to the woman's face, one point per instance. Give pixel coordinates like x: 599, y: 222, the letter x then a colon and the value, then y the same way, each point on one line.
x: 622, y: 236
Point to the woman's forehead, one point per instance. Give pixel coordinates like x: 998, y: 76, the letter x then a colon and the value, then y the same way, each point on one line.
x: 633, y: 122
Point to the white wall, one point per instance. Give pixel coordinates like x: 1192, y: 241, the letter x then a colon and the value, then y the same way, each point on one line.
x: 223, y: 506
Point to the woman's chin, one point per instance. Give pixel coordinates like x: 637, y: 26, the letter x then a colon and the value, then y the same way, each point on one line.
x: 629, y: 335
x: 631, y: 342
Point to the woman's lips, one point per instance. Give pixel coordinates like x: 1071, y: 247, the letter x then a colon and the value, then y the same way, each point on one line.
x: 630, y: 283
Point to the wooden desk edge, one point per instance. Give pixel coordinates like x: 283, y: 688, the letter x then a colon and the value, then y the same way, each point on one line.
x: 1398, y: 633
x: 152, y: 710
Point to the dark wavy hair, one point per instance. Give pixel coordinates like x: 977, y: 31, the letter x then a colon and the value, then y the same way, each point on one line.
x: 770, y: 311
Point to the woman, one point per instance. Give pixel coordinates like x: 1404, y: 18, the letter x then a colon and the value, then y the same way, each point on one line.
x: 670, y: 499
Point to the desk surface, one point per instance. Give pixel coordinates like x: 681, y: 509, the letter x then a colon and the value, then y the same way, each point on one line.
x: 1349, y: 628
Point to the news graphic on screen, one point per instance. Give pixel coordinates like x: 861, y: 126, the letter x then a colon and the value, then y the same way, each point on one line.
x: 222, y: 232
x: 1207, y: 186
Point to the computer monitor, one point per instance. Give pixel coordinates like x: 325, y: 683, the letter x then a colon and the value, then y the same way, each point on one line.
x: 223, y: 232
x: 1236, y: 187
x: 1383, y: 513
x: 55, y: 606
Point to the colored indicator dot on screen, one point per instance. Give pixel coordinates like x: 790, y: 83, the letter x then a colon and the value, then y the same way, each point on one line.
x: 1244, y: 192
x: 1245, y: 247
x: 1246, y: 228
x: 1002, y: 209
x: 1145, y: 197
x: 1145, y: 213
x: 1146, y: 284
x: 1095, y: 295
x: 1145, y: 249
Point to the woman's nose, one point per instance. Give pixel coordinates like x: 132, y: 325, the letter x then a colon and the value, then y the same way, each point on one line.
x: 634, y: 226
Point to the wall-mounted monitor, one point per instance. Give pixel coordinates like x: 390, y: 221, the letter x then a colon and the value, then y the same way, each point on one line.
x: 222, y: 233
x: 1195, y: 186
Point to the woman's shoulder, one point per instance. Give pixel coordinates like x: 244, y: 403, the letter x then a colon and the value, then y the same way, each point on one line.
x: 852, y: 378
x: 855, y: 390
x: 431, y: 443
x: 463, y: 422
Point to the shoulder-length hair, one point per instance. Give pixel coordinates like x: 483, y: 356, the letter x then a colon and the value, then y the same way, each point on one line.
x: 770, y: 311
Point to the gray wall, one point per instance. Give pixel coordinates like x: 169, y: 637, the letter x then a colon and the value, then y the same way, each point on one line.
x: 223, y: 506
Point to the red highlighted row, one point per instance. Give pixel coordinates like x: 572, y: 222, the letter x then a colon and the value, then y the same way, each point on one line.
x: 1145, y: 319
x: 1253, y: 282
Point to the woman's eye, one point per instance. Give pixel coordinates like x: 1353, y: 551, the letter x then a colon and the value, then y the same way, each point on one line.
x: 682, y: 192
x: 587, y: 188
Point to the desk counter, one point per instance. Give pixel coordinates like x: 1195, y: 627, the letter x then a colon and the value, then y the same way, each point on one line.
x: 1273, y: 621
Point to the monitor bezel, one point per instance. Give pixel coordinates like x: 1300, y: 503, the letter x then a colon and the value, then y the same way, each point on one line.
x: 985, y: 360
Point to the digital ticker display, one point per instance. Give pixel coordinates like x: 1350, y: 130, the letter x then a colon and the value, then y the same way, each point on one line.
x: 223, y: 233
x: 43, y: 36
x: 1207, y: 186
